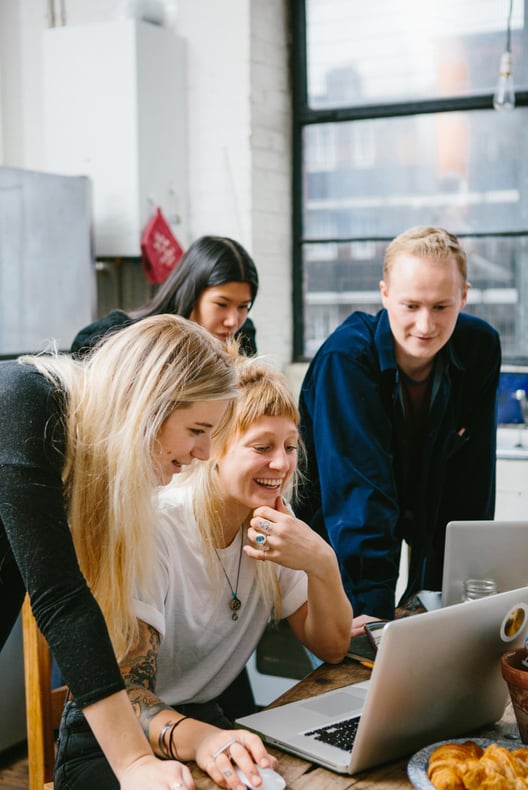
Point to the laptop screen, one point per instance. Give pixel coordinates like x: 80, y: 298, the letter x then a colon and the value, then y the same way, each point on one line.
x: 494, y: 550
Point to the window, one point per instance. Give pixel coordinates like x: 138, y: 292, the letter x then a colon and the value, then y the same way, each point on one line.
x: 394, y: 127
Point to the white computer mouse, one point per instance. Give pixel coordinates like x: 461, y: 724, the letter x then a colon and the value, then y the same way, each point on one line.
x: 271, y: 780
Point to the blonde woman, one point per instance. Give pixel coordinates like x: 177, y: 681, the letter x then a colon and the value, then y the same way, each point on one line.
x: 231, y: 555
x: 83, y: 449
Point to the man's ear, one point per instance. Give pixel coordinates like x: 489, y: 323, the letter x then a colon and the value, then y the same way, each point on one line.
x: 384, y: 291
x: 465, y: 294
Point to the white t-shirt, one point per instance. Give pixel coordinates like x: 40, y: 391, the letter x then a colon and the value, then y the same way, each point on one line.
x: 202, y: 648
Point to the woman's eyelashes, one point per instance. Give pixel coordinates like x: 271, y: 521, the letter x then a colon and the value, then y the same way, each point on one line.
x: 289, y: 448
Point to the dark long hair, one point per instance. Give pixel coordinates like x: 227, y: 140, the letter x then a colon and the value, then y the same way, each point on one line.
x: 209, y: 261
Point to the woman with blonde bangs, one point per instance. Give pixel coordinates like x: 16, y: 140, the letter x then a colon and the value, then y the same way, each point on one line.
x: 85, y: 446
x: 230, y: 556
x: 264, y: 392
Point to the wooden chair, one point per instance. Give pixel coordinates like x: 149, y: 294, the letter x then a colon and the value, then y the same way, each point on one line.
x: 43, y: 704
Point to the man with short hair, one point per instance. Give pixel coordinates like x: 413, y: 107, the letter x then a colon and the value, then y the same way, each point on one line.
x: 399, y: 418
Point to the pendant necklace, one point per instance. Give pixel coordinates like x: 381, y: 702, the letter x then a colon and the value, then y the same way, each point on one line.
x: 235, y: 603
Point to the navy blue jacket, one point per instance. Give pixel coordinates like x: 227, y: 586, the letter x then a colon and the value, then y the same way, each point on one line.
x: 354, y: 430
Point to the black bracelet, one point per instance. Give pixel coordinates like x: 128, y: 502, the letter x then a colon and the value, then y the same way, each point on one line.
x: 172, y: 748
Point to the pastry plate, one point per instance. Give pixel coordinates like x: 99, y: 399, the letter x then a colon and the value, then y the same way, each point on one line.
x: 417, y: 767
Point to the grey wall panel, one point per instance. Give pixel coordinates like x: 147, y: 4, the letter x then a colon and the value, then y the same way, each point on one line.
x: 47, y: 270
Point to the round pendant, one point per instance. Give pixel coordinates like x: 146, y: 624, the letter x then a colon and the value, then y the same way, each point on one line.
x: 235, y: 603
x: 234, y: 616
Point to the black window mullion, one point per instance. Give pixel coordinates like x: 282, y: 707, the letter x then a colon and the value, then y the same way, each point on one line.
x: 453, y: 104
x: 299, y: 92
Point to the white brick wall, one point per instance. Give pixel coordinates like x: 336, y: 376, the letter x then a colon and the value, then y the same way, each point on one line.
x: 271, y: 174
x: 219, y: 119
x: 239, y: 144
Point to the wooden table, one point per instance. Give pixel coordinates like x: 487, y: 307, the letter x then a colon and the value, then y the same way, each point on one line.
x: 302, y: 775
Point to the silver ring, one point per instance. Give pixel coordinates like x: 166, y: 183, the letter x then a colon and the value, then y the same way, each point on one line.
x: 261, y: 540
x: 264, y: 524
x: 228, y: 773
x: 174, y: 785
x: 229, y: 743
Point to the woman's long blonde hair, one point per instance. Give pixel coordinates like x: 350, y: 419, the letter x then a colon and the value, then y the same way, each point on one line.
x: 263, y: 392
x: 117, y: 401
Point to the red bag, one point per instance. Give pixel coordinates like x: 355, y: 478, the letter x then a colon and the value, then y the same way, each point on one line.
x: 161, y: 251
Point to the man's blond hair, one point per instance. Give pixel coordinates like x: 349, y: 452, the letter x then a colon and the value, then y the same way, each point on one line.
x: 426, y: 241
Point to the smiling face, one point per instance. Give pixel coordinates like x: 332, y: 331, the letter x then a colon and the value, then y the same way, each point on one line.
x: 423, y: 297
x: 185, y: 435
x: 258, y: 463
x: 222, y: 309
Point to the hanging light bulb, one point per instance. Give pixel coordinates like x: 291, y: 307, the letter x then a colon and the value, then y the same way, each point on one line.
x: 504, y: 96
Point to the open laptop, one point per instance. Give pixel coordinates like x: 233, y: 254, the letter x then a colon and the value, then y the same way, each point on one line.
x: 437, y: 675
x: 484, y: 550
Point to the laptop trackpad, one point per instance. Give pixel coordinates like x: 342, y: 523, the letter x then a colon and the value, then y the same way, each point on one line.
x: 347, y: 703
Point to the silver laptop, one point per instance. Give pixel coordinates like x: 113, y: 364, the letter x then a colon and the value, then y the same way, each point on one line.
x: 483, y: 550
x: 437, y: 675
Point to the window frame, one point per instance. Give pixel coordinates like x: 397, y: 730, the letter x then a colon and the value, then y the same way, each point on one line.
x: 304, y: 115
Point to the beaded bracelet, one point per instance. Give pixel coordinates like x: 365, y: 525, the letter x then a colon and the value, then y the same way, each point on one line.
x: 172, y: 748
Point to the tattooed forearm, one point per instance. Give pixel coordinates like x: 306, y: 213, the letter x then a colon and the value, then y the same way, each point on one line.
x: 146, y: 707
x: 139, y: 671
x: 140, y: 667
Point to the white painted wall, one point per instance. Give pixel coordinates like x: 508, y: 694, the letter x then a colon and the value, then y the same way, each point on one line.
x: 238, y: 123
x: 218, y: 52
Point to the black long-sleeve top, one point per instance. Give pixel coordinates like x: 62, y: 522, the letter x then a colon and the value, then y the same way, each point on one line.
x: 103, y: 327
x: 36, y: 547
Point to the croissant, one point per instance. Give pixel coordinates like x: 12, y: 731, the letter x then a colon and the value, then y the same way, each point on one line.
x: 465, y: 766
x: 449, y: 762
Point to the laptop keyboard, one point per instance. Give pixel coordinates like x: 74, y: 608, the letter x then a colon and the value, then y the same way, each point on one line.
x: 341, y: 735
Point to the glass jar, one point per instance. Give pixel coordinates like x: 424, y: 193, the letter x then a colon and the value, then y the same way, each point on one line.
x: 478, y: 588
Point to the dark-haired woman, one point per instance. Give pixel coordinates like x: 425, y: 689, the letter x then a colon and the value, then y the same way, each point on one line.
x: 214, y: 284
